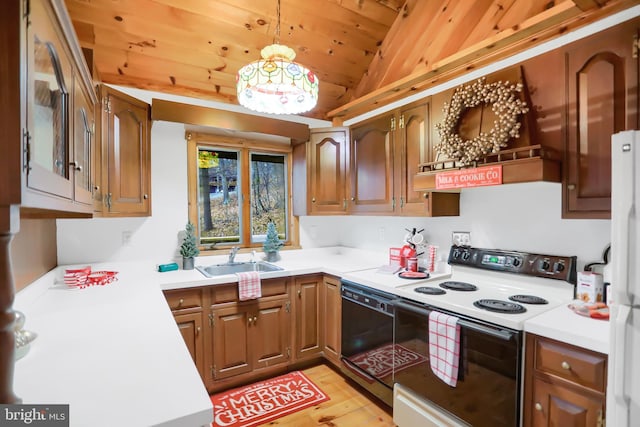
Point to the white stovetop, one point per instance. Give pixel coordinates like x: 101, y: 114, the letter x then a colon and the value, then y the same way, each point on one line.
x: 491, y: 285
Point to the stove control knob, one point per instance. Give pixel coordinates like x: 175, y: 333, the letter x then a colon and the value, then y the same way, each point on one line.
x: 544, y: 265
x: 559, y: 266
x: 466, y: 255
x: 516, y: 262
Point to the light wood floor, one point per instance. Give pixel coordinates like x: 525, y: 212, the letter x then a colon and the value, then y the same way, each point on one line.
x: 347, y: 406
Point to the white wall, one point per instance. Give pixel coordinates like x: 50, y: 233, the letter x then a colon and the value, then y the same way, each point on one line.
x: 524, y: 217
x: 153, y: 238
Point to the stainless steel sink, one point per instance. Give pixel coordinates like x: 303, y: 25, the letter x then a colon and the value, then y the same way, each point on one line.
x: 236, y: 267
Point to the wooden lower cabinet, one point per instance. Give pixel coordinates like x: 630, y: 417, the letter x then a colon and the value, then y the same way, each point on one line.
x: 564, y: 384
x: 296, y: 320
x: 307, y: 326
x: 190, y: 326
x: 332, y: 319
x: 249, y: 336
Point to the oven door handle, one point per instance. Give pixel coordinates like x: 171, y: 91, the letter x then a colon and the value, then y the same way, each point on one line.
x: 498, y: 333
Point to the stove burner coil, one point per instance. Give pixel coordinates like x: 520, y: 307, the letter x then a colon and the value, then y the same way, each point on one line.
x: 430, y: 290
x: 528, y: 299
x: 499, y: 306
x: 458, y: 286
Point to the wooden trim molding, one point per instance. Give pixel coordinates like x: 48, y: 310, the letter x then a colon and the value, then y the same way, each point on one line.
x: 9, y: 226
x: 196, y: 115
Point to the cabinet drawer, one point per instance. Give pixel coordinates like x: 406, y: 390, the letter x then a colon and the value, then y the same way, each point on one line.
x: 572, y: 363
x: 181, y: 299
x: 221, y: 294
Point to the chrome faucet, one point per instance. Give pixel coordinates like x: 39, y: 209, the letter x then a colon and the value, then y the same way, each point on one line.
x: 232, y: 254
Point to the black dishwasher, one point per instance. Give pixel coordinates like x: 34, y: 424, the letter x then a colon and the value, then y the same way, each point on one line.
x: 367, y: 338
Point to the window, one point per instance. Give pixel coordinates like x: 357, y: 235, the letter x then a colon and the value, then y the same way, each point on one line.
x: 235, y: 189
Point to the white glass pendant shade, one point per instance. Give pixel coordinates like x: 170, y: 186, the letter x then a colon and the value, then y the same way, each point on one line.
x: 277, y: 85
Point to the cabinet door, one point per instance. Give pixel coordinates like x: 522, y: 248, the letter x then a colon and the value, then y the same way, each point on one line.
x: 371, y: 166
x: 190, y: 326
x: 308, y: 319
x: 411, y: 150
x: 603, y: 88
x: 555, y: 405
x: 83, y: 145
x: 127, y: 153
x: 269, y: 333
x: 332, y: 314
x: 49, y: 87
x: 328, y: 169
x: 230, y: 342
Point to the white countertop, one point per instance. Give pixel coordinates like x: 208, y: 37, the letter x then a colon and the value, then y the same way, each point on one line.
x: 114, y: 352
x: 562, y: 324
x: 115, y: 355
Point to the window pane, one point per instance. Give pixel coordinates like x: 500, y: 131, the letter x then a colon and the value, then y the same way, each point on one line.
x: 268, y: 195
x: 219, y: 212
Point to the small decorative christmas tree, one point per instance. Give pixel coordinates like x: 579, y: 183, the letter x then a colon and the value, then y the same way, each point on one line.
x: 189, y: 247
x: 272, y: 243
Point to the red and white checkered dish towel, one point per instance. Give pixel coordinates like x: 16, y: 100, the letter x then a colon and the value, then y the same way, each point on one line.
x: 249, y: 285
x: 444, y: 346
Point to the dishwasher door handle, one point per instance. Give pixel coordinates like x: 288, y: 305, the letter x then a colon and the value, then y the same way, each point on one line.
x: 423, y: 311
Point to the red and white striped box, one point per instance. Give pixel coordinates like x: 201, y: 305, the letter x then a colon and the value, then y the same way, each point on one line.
x: 394, y: 256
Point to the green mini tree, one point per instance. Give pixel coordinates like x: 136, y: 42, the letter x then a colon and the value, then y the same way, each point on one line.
x: 189, y: 247
x: 271, y: 243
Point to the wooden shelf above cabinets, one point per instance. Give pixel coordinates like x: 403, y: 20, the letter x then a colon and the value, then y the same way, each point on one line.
x: 527, y: 164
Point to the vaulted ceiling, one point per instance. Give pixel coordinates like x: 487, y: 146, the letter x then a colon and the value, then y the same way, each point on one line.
x: 366, y: 53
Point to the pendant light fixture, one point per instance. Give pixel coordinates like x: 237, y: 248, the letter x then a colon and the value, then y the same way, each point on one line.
x: 275, y: 84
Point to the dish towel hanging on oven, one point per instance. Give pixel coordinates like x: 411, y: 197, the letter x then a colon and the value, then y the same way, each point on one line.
x: 444, y: 346
x: 249, y: 285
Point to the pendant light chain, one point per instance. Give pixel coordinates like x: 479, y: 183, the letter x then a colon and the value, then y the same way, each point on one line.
x: 277, y: 35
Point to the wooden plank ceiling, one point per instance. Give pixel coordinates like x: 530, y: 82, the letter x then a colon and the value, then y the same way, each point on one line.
x: 366, y: 53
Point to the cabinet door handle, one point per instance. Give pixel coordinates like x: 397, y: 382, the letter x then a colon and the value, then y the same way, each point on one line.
x: 313, y: 200
x: 180, y: 302
x: 198, y: 330
x: 250, y: 320
x: 299, y: 293
x: 571, y: 187
x: 402, y: 202
x: 565, y: 365
x: 344, y: 204
x: 146, y: 196
x: 538, y: 406
x: 75, y: 165
x: 255, y: 319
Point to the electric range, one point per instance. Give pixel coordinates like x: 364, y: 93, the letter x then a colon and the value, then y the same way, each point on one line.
x: 497, y: 276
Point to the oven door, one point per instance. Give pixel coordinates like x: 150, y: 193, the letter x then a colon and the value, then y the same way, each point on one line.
x: 367, y: 338
x: 488, y: 387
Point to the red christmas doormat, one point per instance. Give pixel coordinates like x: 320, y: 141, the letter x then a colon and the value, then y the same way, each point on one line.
x: 380, y: 361
x: 265, y: 401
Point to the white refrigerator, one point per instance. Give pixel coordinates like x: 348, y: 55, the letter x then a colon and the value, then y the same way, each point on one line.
x: 623, y: 388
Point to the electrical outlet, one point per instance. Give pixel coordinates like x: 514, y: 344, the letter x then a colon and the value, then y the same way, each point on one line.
x: 126, y: 237
x: 461, y: 238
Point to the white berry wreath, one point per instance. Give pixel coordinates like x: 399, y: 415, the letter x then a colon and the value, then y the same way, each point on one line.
x: 505, y: 103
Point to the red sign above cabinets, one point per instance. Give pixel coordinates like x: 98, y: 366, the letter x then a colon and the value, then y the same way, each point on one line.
x: 465, y: 178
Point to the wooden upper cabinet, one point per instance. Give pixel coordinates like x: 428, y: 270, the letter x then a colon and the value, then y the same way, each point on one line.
x: 58, y: 128
x: 371, y: 166
x: 125, y: 156
x: 328, y: 169
x: 602, y: 77
x: 412, y: 148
